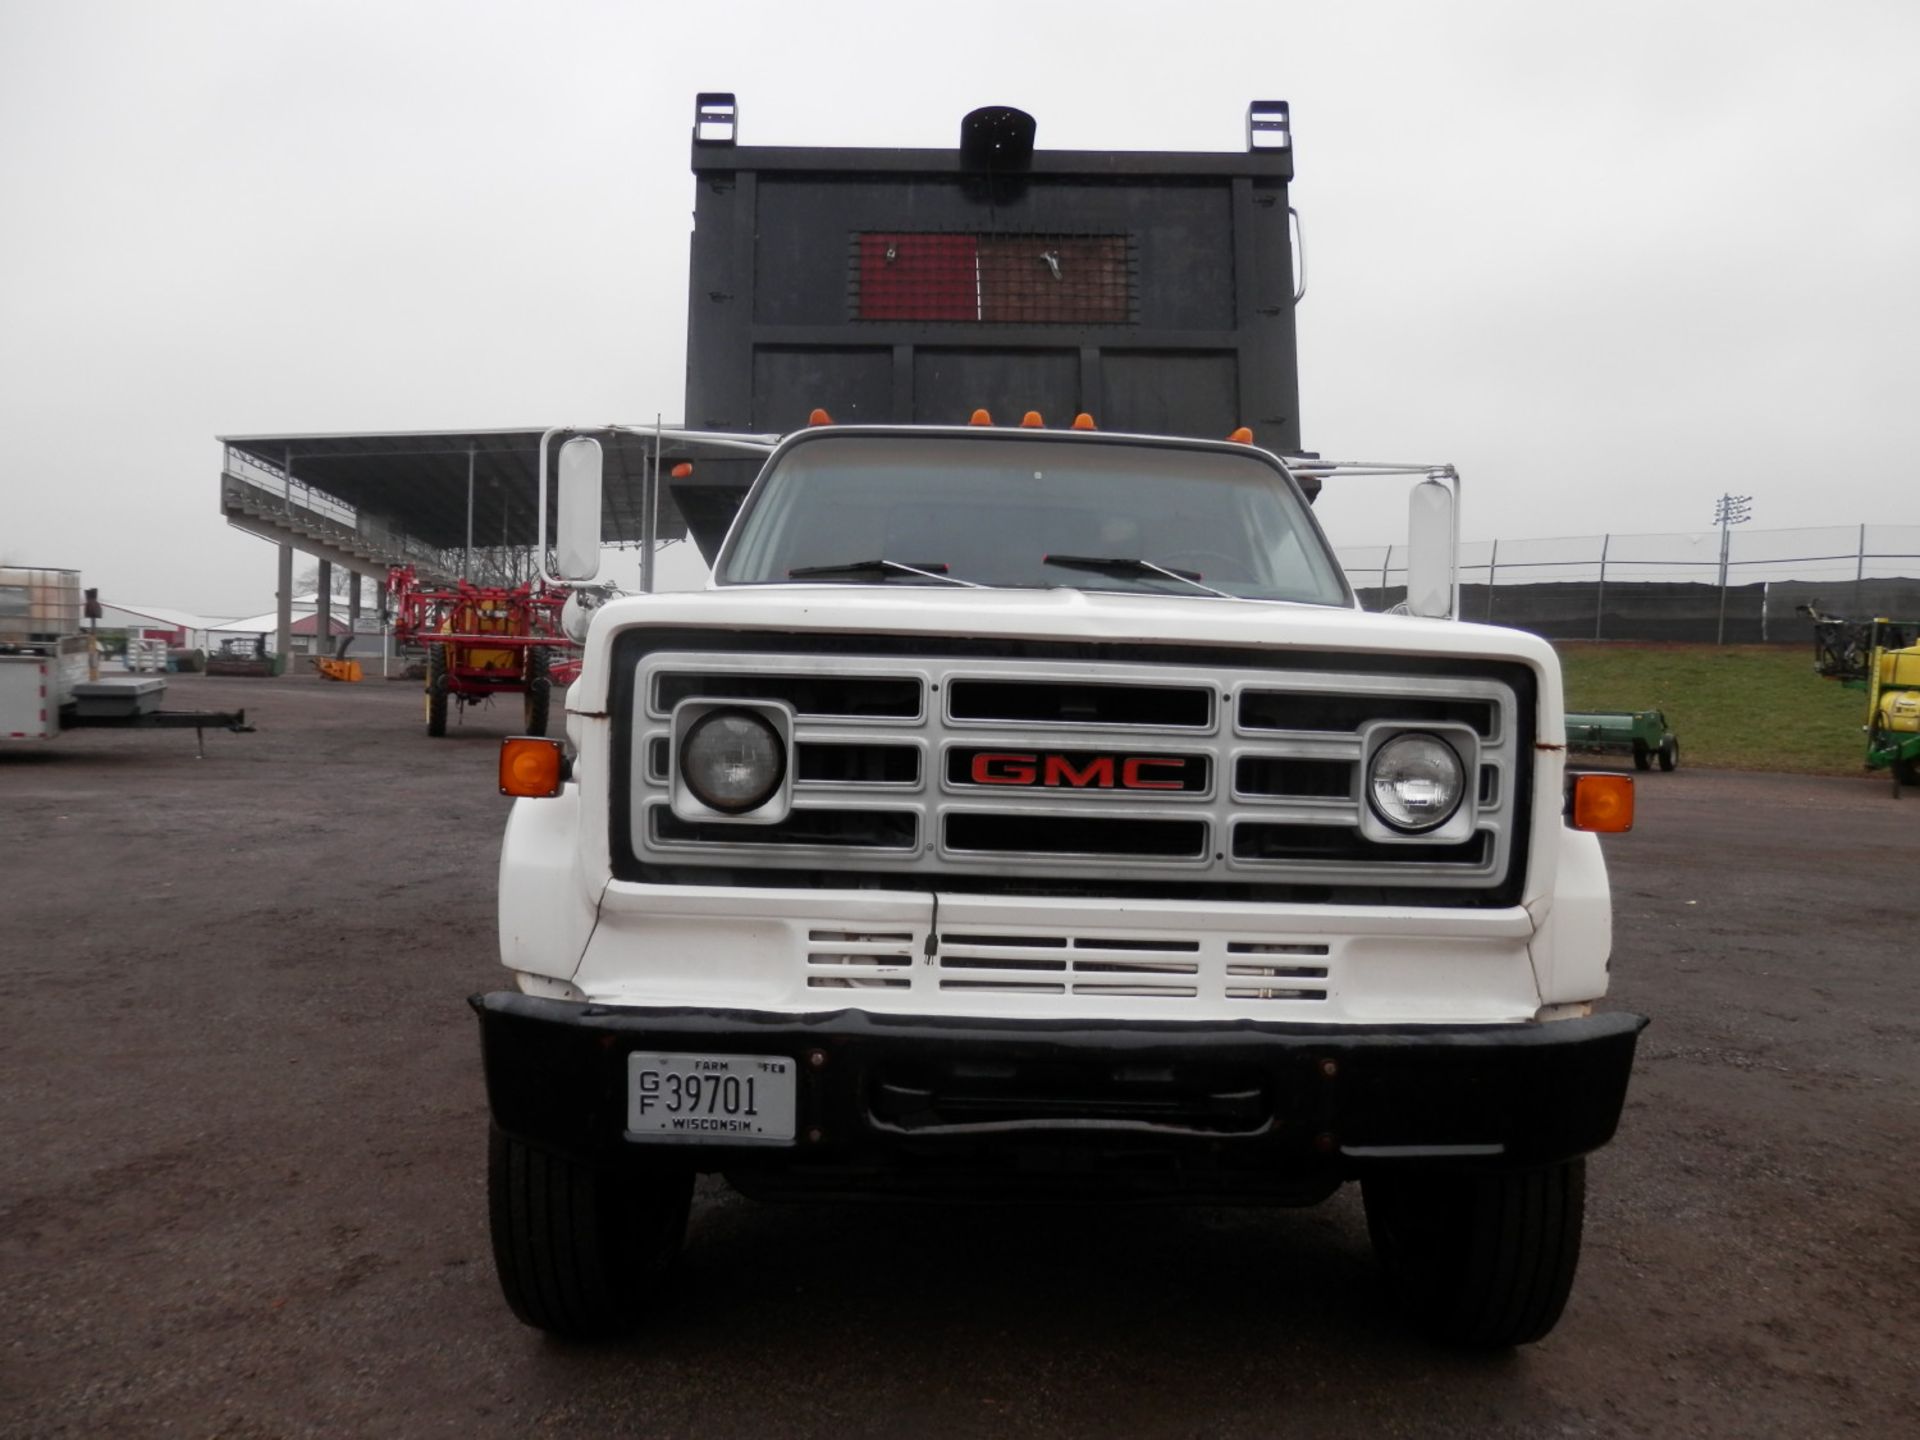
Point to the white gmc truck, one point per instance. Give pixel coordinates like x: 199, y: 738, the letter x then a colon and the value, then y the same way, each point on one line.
x: 1034, y: 813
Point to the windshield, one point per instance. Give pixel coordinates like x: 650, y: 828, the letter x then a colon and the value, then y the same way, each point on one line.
x: 945, y: 510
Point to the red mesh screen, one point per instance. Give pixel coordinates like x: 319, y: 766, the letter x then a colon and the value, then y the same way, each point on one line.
x: 998, y: 279
x: 918, y: 277
x: 1054, y: 279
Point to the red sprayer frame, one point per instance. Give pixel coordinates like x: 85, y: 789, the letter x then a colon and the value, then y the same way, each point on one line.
x: 469, y: 618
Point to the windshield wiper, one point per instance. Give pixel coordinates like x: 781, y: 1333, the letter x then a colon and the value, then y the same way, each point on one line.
x: 932, y: 570
x: 1130, y: 565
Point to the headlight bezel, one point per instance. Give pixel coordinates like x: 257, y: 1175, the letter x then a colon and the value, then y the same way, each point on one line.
x: 1460, y: 821
x: 688, y: 803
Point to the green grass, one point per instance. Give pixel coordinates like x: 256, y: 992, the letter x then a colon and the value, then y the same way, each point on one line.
x: 1734, y: 707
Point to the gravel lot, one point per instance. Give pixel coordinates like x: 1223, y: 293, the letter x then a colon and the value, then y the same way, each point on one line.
x: 241, y: 1186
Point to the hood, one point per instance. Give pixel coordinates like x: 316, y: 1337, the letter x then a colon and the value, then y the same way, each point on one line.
x: 1062, y: 614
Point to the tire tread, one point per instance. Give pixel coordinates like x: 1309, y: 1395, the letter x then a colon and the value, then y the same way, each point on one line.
x: 573, y: 1242
x: 1481, y: 1261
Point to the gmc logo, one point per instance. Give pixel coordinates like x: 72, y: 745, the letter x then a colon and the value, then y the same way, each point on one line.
x: 1082, y: 770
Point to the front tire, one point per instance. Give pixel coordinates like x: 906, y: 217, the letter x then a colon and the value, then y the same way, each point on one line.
x: 1669, y: 754
x: 576, y: 1244
x: 1485, y: 1261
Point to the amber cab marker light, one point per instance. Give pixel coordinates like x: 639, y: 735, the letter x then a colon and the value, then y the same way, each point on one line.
x: 531, y: 767
x: 1602, y: 803
x: 683, y: 470
x: 819, y: 417
x: 981, y: 417
x: 1242, y: 436
x: 1083, y: 421
x: 1032, y: 421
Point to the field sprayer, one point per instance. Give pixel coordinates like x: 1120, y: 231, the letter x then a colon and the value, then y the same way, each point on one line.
x: 1879, y: 656
x: 485, y: 640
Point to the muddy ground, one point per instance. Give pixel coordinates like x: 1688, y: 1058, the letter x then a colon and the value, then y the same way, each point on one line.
x: 241, y: 1187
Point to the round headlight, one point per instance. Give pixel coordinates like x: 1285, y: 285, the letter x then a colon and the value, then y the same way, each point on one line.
x: 1416, y: 782
x: 732, y: 761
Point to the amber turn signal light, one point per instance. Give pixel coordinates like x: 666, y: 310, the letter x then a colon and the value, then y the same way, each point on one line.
x: 1241, y: 436
x: 1032, y: 421
x: 817, y: 416
x: 981, y: 417
x: 531, y: 767
x: 1083, y: 421
x: 683, y: 470
x: 1601, y: 803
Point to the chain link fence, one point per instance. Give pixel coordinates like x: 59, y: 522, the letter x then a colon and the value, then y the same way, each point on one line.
x: 1669, y: 586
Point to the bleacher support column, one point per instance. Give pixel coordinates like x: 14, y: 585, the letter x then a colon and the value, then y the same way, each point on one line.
x: 466, y: 560
x: 381, y: 608
x: 353, y: 608
x: 283, y: 631
x: 323, y: 612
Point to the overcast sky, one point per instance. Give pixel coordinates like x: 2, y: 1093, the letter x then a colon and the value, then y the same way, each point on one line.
x: 1611, y: 260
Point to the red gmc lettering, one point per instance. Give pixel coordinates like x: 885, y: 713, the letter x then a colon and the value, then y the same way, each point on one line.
x: 1102, y: 772
x: 991, y: 769
x: 1098, y: 771
x: 1132, y: 774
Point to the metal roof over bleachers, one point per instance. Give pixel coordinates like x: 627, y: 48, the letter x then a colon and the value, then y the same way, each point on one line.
x: 431, y: 497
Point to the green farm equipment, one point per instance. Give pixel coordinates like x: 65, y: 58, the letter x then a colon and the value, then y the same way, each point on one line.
x: 1640, y: 733
x: 1879, y: 656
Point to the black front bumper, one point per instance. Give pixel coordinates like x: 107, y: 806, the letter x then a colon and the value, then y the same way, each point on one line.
x: 1230, y: 1108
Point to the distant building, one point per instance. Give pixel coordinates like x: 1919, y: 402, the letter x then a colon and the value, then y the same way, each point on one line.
x: 178, y: 628
x: 306, y: 632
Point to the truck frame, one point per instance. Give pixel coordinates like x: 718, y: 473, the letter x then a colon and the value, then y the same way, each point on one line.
x: 1029, y: 810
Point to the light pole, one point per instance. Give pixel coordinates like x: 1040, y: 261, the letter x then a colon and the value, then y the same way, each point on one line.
x: 1728, y: 511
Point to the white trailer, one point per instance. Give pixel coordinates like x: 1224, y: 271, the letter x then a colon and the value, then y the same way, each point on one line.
x: 49, y: 678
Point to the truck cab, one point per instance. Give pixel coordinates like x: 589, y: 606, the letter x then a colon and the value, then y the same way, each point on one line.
x: 1032, y: 813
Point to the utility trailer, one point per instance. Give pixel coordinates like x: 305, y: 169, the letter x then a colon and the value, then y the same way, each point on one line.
x: 50, y: 677
x: 485, y: 640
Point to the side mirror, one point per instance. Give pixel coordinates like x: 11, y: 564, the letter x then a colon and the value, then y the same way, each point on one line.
x: 1431, y: 551
x: 577, y: 524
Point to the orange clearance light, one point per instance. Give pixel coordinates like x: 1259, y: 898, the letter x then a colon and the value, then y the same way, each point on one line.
x: 981, y: 417
x: 1083, y: 421
x: 819, y: 417
x: 1031, y: 421
x: 531, y: 767
x: 683, y: 470
x: 1602, y: 803
x: 1242, y: 436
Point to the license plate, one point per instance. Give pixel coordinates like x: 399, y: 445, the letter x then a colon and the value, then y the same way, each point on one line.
x: 710, y: 1099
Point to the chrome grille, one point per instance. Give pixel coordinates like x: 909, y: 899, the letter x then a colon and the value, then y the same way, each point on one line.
x: 1251, y: 774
